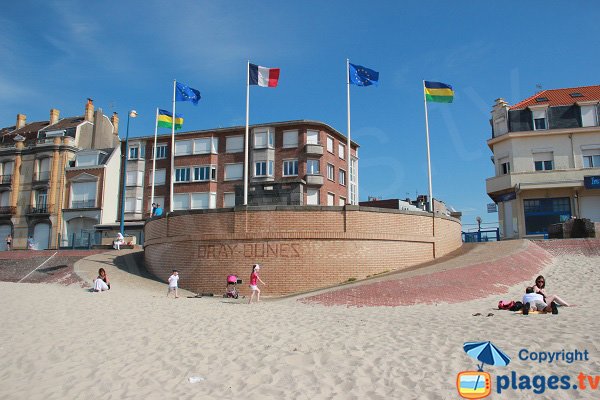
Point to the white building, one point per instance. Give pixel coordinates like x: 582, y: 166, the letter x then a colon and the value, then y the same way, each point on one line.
x: 546, y: 154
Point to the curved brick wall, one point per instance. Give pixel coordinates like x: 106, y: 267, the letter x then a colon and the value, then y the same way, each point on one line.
x: 299, y: 248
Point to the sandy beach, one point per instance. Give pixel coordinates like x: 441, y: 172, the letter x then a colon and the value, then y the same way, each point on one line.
x: 63, y: 342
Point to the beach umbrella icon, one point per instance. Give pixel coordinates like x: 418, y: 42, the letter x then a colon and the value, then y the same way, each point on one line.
x: 487, y: 353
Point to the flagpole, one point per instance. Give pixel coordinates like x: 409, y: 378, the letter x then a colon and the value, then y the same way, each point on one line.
x: 428, y: 152
x: 246, y: 167
x: 154, y: 158
x: 172, y: 150
x: 348, y: 200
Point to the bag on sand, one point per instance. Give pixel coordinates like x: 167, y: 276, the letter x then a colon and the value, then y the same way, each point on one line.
x: 517, y: 306
x: 505, y: 304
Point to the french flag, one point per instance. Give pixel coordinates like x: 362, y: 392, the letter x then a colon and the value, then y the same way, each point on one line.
x: 262, y: 76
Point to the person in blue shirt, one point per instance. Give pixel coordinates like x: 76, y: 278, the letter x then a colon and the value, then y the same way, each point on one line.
x: 158, y: 211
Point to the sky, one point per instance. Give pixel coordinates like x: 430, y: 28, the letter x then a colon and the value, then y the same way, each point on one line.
x: 126, y: 54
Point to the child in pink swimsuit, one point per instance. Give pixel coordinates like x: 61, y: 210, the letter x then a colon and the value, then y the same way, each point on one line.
x: 254, y: 279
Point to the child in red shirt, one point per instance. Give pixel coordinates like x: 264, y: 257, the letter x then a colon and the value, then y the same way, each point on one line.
x: 254, y: 279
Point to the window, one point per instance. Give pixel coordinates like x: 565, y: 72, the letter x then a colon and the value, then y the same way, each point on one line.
x: 503, y: 166
x: 543, y: 161
x: 182, y: 174
x: 312, y: 197
x: 342, y: 177
x: 312, y: 167
x: 290, y: 139
x: 161, y: 151
x: 158, y: 200
x: 234, y: 171
x: 181, y: 201
x: 205, y: 173
x: 263, y: 168
x: 263, y: 138
x: 183, y: 147
x: 83, y: 194
x: 234, y: 144
x: 160, y: 176
x: 229, y: 199
x: 330, y: 172
x: 134, y: 153
x: 86, y: 160
x: 540, y: 213
x: 341, y: 151
x: 539, y: 119
x: 290, y: 167
x: 341, y: 201
x: 43, y: 169
x: 206, y: 145
x: 203, y: 200
x: 330, y: 144
x: 588, y: 116
x: 330, y: 199
x: 135, y: 178
x: 41, y: 198
x: 591, y: 158
x: 312, y: 137
x: 133, y: 205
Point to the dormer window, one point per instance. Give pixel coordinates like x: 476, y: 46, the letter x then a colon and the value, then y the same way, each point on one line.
x: 86, y: 160
x: 539, y: 119
x: 576, y: 94
x: 588, y: 115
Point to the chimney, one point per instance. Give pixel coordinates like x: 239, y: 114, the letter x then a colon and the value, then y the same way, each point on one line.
x: 21, y: 119
x: 54, y: 115
x: 89, y: 110
x: 115, y: 121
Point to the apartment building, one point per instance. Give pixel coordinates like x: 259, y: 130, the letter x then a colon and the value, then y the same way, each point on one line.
x: 41, y: 165
x: 290, y: 163
x: 546, y: 155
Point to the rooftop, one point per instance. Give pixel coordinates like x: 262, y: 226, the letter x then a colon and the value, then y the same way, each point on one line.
x: 561, y: 97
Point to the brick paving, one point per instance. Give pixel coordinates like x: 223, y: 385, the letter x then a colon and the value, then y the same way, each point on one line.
x: 15, y: 265
x: 460, y: 278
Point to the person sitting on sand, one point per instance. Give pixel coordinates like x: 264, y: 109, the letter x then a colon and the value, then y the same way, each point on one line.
x: 539, y: 287
x: 101, y: 283
x: 535, y: 302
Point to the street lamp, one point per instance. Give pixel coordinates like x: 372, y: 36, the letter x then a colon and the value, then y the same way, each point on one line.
x: 478, y: 219
x: 132, y: 114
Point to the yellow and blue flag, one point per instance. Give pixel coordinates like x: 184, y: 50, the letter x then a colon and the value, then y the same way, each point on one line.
x: 165, y: 119
x: 438, y: 92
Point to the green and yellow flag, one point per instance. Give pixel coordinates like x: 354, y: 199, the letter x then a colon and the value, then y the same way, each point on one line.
x: 165, y: 119
x: 438, y: 92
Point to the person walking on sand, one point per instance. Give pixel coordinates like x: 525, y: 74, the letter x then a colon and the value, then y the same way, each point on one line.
x: 173, y: 283
x: 254, y: 279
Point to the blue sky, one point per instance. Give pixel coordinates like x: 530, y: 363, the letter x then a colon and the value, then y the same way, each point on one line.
x: 125, y: 55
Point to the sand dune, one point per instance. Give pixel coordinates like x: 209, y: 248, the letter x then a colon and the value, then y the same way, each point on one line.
x: 62, y: 342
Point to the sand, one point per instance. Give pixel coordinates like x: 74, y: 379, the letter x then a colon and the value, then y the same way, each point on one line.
x: 63, y: 342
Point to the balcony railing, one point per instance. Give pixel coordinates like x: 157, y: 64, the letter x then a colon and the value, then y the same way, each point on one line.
x: 39, y: 209
x: 83, y: 203
x: 42, y: 176
x: 7, y: 210
x: 5, y: 179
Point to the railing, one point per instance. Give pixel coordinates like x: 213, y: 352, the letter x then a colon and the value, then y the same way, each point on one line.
x: 40, y: 209
x: 7, y: 210
x: 83, y: 203
x: 42, y: 176
x: 491, y: 235
x: 5, y: 179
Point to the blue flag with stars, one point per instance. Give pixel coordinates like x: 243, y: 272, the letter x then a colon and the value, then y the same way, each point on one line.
x: 185, y: 93
x: 362, y: 76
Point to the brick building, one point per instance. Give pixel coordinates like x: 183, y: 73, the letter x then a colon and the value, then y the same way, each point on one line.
x: 52, y: 177
x: 290, y: 163
x: 546, y: 154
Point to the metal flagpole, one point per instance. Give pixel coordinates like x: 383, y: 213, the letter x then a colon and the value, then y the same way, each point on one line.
x: 247, y: 136
x: 428, y: 152
x: 348, y: 200
x: 154, y: 158
x: 172, y: 151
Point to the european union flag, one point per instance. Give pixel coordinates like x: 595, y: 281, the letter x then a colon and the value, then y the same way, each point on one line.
x: 362, y: 76
x: 185, y: 93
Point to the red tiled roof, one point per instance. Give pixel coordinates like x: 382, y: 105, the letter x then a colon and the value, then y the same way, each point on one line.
x: 560, y: 97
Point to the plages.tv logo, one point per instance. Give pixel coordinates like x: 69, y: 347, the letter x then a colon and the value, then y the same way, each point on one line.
x: 478, y: 384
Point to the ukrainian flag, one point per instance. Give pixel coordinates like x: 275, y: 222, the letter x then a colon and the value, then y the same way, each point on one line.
x: 438, y: 92
x: 165, y: 119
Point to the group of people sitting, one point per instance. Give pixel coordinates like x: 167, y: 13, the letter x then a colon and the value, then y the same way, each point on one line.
x: 536, y: 298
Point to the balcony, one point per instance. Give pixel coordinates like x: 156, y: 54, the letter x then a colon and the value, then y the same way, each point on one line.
x: 83, y: 204
x: 7, y: 211
x: 539, y: 179
x: 314, y: 180
x: 313, y: 149
x: 41, y: 177
x: 39, y: 210
x: 5, y: 179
